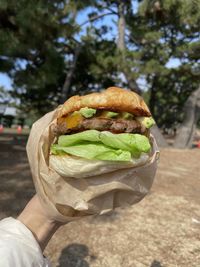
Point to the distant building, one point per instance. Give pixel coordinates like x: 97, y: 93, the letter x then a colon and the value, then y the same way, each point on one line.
x: 2, y: 108
x: 7, y: 114
x: 10, y: 111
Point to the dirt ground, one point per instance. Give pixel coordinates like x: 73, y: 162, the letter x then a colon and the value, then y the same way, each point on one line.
x: 163, y: 230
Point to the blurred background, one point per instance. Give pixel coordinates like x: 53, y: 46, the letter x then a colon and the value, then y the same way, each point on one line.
x: 51, y: 50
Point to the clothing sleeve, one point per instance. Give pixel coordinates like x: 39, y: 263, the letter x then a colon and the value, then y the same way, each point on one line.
x: 18, y: 247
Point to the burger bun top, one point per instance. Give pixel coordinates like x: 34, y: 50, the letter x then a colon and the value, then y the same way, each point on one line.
x: 113, y: 99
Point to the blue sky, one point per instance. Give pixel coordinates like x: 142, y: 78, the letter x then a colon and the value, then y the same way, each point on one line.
x: 6, y: 82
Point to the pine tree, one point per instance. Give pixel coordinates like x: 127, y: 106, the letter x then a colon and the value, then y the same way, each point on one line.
x: 36, y: 48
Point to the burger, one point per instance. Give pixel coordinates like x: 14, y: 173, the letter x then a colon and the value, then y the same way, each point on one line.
x: 101, y: 132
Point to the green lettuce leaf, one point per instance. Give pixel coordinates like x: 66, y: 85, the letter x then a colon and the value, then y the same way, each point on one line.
x: 135, y: 143
x: 93, y: 151
x: 104, y: 145
x: 68, y: 140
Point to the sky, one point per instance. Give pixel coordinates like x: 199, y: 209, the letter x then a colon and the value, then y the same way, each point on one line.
x: 6, y: 82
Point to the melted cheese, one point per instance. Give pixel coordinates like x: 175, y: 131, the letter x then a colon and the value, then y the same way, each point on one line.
x: 73, y: 120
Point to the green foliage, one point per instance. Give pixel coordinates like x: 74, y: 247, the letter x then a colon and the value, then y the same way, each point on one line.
x: 39, y: 40
x: 4, y: 95
x: 168, y: 29
x: 29, y: 32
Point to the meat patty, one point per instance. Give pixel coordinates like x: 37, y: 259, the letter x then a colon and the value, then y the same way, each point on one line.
x: 104, y: 124
x: 113, y: 125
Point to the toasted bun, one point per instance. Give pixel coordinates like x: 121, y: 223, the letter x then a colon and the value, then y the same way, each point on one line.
x: 70, y: 166
x: 113, y: 98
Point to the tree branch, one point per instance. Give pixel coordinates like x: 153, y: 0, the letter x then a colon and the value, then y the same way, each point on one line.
x: 108, y: 8
x: 69, y: 75
x: 111, y: 10
x: 95, y: 18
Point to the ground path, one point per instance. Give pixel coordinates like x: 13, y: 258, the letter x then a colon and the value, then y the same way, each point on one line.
x: 163, y: 230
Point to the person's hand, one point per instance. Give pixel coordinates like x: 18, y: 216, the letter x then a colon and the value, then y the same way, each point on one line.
x: 38, y: 221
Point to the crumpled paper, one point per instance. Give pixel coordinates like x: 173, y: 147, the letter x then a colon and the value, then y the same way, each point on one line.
x: 67, y: 199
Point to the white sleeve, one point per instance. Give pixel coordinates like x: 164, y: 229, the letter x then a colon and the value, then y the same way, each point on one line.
x: 18, y: 247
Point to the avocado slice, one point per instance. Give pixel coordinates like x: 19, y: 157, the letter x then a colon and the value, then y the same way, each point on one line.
x: 111, y: 114
x: 147, y: 122
x: 127, y: 115
x: 87, y: 112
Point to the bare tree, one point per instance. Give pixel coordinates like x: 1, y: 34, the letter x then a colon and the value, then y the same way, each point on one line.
x: 187, y: 129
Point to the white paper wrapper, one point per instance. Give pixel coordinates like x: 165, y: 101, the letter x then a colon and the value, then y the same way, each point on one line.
x: 67, y: 198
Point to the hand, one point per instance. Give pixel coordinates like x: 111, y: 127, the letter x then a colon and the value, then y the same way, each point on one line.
x: 38, y: 222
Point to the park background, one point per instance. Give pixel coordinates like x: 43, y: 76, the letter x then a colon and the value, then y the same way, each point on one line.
x: 51, y: 50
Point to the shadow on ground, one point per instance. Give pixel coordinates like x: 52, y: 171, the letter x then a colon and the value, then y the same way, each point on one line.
x: 156, y: 263
x: 16, y: 186
x: 75, y: 255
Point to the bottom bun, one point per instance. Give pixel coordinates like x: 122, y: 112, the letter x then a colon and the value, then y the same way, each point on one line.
x: 71, y: 166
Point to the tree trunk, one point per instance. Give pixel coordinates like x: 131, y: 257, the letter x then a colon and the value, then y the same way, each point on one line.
x: 121, y: 27
x: 132, y: 84
x: 186, y: 132
x: 121, y: 46
x: 69, y: 75
x: 152, y: 100
x: 161, y: 141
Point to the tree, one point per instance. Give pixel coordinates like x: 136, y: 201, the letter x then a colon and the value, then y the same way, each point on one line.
x: 192, y: 115
x: 159, y: 32
x: 36, y: 47
x: 172, y: 33
x: 40, y: 51
x: 5, y: 96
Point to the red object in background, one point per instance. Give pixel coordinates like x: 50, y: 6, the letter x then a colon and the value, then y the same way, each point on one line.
x: 1, y: 128
x: 19, y: 129
x: 198, y: 144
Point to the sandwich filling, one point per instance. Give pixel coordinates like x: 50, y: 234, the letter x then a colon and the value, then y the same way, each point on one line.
x: 102, y: 135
